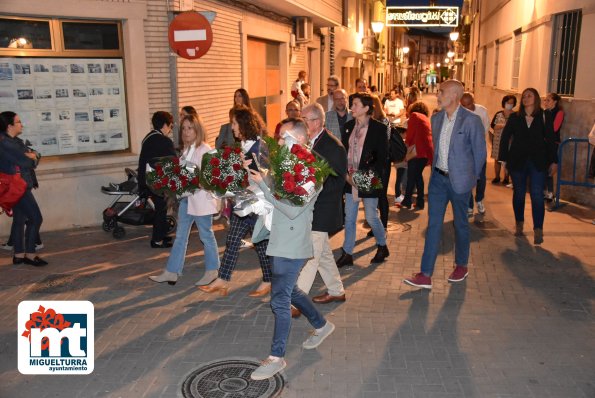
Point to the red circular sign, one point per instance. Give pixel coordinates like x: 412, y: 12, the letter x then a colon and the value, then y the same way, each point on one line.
x: 190, y: 35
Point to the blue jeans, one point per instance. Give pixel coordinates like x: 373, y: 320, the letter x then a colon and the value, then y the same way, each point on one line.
x: 351, y: 208
x: 440, y: 192
x: 480, y: 188
x: 175, y: 262
x: 285, y: 292
x: 536, y: 185
x: 27, y: 221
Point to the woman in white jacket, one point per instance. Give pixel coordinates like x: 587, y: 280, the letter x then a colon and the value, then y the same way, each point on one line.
x: 198, y: 208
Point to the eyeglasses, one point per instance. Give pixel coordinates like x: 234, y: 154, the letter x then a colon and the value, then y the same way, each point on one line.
x: 311, y: 119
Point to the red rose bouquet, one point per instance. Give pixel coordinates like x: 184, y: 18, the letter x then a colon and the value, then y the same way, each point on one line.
x: 296, y: 173
x: 366, y: 180
x: 222, y: 170
x: 171, y: 178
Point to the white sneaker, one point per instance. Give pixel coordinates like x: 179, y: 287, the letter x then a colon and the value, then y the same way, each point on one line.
x: 38, y: 246
x: 480, y: 207
x: 318, y: 336
x: 469, y: 212
x: 268, y: 368
x: 399, y: 199
x: 6, y: 247
x: 548, y: 195
x: 509, y: 185
x: 246, y: 244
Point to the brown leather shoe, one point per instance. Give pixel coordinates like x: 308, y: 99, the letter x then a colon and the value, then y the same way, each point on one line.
x: 327, y: 298
x: 295, y: 313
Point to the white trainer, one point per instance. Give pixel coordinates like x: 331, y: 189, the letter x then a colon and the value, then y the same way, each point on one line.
x: 268, y: 368
x: 246, y: 244
x: 399, y: 199
x: 469, y: 212
x: 480, y: 207
x: 318, y: 336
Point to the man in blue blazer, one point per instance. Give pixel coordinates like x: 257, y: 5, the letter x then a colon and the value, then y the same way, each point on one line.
x: 459, y: 155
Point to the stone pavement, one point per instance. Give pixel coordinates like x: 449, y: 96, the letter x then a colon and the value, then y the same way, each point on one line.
x: 521, y: 325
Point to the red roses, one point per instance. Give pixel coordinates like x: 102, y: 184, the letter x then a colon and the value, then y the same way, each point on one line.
x: 170, y: 178
x: 222, y: 170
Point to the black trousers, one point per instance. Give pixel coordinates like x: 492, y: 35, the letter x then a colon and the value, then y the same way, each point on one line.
x: 383, y: 199
x: 160, y: 226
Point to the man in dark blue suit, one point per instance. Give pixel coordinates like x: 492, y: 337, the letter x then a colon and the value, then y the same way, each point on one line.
x: 328, y: 211
x: 459, y: 155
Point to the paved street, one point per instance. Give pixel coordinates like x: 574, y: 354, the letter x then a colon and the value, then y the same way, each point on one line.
x: 521, y: 325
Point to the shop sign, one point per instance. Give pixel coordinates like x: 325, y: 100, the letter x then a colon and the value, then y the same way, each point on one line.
x: 190, y: 35
x: 422, y: 16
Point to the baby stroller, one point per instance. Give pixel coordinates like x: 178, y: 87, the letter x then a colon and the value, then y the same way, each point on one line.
x: 138, y: 211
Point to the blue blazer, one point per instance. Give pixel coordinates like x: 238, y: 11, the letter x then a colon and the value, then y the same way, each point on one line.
x: 467, y: 151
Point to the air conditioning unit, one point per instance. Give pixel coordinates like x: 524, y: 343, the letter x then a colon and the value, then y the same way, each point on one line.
x: 304, y: 29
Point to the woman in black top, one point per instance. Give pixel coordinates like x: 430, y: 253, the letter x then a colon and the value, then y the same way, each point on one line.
x: 532, y: 154
x: 15, y: 157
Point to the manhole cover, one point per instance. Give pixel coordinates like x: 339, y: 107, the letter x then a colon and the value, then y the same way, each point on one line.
x: 59, y: 283
x: 398, y: 227
x: 230, y: 378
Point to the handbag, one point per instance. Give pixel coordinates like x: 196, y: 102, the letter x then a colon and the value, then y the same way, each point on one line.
x: 411, y: 153
x: 12, y: 189
x: 397, y: 150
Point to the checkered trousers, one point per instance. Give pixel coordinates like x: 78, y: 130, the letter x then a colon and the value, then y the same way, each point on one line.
x: 238, y: 228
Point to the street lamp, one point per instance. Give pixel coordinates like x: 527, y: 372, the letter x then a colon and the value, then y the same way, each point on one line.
x: 454, y: 35
x: 377, y: 26
x: 450, y: 54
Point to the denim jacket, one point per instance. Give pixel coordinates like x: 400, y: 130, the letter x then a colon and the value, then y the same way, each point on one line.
x: 12, y: 155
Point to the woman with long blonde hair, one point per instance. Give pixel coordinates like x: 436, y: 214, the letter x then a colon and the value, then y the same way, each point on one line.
x: 197, y: 208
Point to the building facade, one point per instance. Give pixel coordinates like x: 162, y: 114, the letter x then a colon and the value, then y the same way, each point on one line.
x: 515, y: 44
x: 93, y: 72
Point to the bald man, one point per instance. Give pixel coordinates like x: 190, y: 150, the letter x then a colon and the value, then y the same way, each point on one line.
x: 459, y: 155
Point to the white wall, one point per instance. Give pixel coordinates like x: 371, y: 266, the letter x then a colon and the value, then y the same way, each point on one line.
x: 69, y: 186
x: 499, y: 20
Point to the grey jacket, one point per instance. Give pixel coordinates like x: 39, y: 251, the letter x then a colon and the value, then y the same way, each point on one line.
x: 291, y: 229
x: 332, y: 123
x: 467, y: 151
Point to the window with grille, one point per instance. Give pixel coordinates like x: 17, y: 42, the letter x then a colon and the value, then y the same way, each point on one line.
x: 516, y: 58
x: 563, y: 60
x: 484, y: 56
x: 496, y: 57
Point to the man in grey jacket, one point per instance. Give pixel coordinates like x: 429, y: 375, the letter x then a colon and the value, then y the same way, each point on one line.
x: 459, y: 155
x: 337, y: 117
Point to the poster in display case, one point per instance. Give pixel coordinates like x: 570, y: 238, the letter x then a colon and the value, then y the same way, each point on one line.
x: 67, y: 105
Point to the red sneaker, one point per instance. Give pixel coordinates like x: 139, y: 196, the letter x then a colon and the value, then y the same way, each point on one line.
x: 459, y: 274
x: 419, y: 280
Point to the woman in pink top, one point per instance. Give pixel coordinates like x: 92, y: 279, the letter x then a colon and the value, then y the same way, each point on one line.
x: 198, y: 208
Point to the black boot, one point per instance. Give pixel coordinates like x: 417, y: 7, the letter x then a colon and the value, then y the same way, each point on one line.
x: 381, y: 254
x: 345, y: 259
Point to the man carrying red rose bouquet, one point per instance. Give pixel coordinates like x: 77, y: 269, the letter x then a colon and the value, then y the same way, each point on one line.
x: 290, y: 241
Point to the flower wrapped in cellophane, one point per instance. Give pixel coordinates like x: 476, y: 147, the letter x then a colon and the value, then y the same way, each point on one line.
x: 171, y: 178
x: 366, y: 180
x: 295, y: 174
x: 222, y: 171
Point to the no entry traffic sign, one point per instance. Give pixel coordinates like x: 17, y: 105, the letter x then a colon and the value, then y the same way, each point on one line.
x: 190, y: 35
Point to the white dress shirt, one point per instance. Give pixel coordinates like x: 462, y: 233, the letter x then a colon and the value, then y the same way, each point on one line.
x: 445, y: 134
